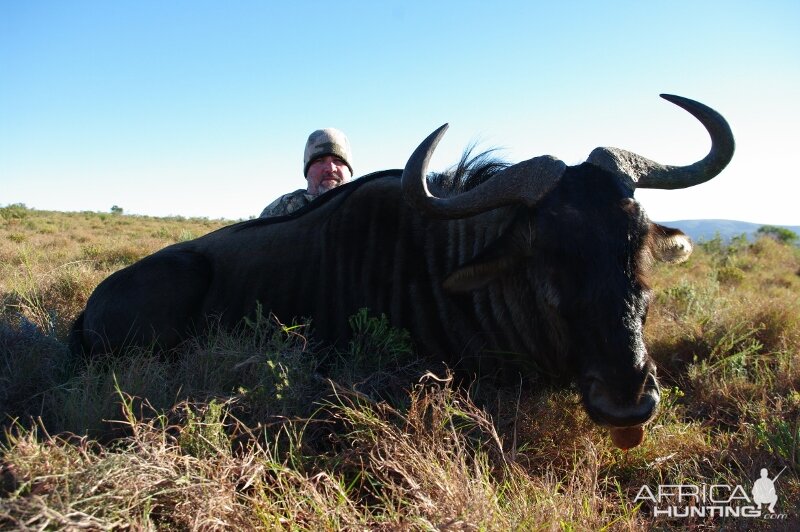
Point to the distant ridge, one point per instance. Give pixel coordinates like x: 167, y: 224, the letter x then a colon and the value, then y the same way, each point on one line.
x: 704, y: 230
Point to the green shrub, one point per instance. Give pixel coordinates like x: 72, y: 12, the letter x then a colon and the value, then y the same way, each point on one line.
x: 730, y: 275
x: 15, y: 211
x: 781, y: 234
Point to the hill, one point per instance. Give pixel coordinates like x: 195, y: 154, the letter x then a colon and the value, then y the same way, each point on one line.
x: 705, y: 230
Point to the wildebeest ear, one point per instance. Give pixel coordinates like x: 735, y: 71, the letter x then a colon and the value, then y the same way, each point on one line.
x: 668, y: 244
x: 493, y: 262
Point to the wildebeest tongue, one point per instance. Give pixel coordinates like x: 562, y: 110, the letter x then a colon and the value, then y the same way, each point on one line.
x: 627, y: 437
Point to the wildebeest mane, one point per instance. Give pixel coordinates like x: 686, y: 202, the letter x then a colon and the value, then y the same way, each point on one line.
x: 468, y: 173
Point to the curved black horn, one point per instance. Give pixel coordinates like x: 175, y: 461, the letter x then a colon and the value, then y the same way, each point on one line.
x: 526, y: 182
x: 649, y: 174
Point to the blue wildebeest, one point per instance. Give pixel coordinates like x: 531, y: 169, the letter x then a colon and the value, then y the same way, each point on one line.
x: 540, y: 260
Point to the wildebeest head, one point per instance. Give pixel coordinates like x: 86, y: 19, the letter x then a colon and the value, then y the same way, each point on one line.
x: 575, y: 253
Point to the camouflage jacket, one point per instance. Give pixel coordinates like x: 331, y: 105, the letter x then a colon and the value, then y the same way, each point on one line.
x: 287, y: 203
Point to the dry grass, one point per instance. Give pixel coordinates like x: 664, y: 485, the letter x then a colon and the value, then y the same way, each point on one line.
x: 51, y: 261
x: 240, y: 430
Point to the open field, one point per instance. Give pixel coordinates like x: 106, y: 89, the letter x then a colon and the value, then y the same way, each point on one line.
x: 262, y: 428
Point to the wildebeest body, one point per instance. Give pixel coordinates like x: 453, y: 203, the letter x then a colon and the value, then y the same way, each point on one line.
x: 539, y: 262
x: 324, y: 264
x: 365, y: 248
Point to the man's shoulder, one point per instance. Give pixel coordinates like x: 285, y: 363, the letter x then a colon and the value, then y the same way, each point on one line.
x: 299, y: 193
x: 287, y: 203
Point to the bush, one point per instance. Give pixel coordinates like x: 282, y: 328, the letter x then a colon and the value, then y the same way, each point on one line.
x: 781, y: 234
x: 15, y: 211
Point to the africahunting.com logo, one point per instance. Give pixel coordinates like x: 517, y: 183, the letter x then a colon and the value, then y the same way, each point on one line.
x: 714, y: 500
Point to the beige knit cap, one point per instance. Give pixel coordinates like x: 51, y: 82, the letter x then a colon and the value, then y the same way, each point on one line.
x: 328, y: 141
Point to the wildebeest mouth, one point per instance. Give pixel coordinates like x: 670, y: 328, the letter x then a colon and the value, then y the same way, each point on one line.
x: 606, y: 406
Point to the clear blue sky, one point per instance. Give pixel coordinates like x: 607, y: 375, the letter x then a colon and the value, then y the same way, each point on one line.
x: 202, y: 108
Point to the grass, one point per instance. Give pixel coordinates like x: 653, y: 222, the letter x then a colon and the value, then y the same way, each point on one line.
x: 261, y: 428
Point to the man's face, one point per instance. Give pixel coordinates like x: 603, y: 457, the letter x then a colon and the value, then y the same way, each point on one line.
x: 325, y: 173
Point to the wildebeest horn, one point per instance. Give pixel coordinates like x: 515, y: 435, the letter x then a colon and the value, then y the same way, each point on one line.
x: 526, y: 182
x: 649, y: 174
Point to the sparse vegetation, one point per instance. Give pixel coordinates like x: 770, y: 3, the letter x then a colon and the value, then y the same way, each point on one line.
x: 262, y: 428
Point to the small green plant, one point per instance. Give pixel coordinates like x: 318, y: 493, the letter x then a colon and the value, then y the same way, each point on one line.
x: 375, y: 341
x: 204, y: 434
x: 683, y: 294
x: 714, y: 246
x: 782, y: 439
x: 185, y: 235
